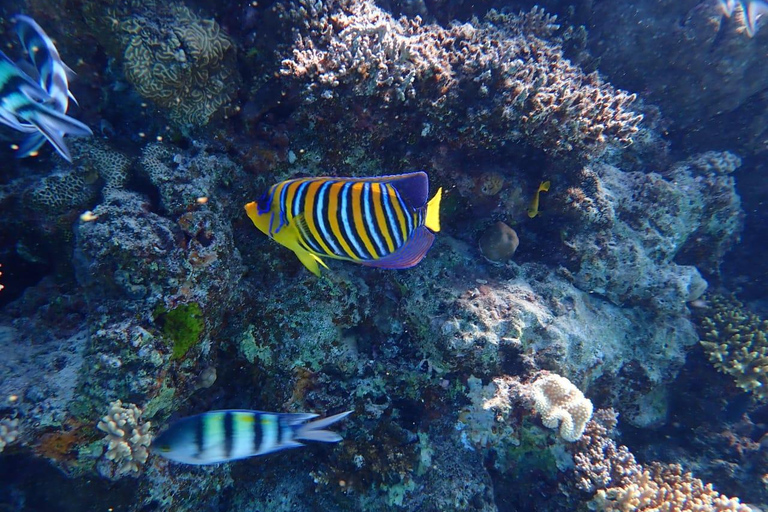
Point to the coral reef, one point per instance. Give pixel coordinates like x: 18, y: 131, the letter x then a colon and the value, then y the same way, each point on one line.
x: 736, y: 342
x: 528, y: 90
x: 128, y: 440
x: 173, y: 57
x: 561, y: 404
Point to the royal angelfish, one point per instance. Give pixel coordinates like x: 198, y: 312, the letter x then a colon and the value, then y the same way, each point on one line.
x: 25, y: 106
x: 49, y: 71
x: 223, y: 436
x: 383, y: 222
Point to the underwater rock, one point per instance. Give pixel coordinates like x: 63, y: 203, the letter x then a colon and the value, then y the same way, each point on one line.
x: 634, y: 227
x: 499, y: 242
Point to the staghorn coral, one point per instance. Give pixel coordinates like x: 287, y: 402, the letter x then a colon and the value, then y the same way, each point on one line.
x: 736, y: 342
x: 9, y: 431
x: 527, y: 89
x: 172, y: 56
x: 560, y: 403
x: 620, y: 484
x: 128, y: 440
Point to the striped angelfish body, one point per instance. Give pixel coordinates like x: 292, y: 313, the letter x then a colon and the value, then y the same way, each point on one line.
x: 227, y: 435
x: 380, y: 222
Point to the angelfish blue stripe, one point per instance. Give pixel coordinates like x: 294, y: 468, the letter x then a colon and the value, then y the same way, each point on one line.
x: 298, y: 198
x: 370, y: 219
x: 349, y: 230
x: 320, y: 206
x: 394, y: 226
x: 408, y: 216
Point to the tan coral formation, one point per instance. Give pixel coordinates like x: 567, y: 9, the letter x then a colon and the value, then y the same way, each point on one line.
x: 533, y: 90
x: 561, y: 404
x: 621, y: 484
x: 735, y: 341
x: 9, y: 432
x: 128, y: 439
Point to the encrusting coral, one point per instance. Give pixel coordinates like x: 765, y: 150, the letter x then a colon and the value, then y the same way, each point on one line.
x: 530, y: 90
x: 736, y: 342
x: 561, y: 404
x: 128, y: 440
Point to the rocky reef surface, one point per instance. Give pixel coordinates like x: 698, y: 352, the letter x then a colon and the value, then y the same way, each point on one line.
x: 137, y: 291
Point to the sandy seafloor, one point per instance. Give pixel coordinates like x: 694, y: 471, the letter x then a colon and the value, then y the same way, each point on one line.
x: 603, y: 349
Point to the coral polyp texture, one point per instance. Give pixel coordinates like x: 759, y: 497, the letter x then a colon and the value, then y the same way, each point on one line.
x: 736, y: 342
x: 128, y: 440
x: 512, y: 62
x: 173, y: 57
x: 563, y: 405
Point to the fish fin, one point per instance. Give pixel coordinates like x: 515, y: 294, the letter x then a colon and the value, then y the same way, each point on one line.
x: 296, y: 418
x: 755, y: 10
x: 28, y: 69
x: 432, y: 218
x: 72, y: 97
x: 544, y: 187
x: 308, y: 259
x: 54, y: 125
x: 409, y: 254
x: 31, y: 143
x: 413, y: 187
x: 314, y: 431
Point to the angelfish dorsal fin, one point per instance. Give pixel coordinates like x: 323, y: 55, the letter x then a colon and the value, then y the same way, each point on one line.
x: 412, y: 187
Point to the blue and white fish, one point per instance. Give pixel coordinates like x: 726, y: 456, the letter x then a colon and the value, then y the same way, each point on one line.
x: 227, y: 435
x: 48, y: 69
x: 753, y: 11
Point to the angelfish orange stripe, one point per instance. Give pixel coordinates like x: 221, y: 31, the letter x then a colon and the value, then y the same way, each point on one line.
x: 381, y: 218
x: 332, y: 216
x: 357, y: 191
x: 309, y: 214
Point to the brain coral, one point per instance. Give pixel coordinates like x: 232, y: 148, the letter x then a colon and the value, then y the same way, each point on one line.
x: 171, y: 55
x: 512, y: 63
x: 560, y: 403
x: 736, y: 343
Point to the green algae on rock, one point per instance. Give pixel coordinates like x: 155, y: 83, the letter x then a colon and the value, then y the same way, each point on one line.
x: 182, y: 325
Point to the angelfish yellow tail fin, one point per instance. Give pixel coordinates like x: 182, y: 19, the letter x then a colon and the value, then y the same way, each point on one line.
x: 432, y: 220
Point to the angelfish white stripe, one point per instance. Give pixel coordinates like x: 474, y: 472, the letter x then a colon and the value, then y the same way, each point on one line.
x: 345, y: 191
x: 214, y: 445
x: 394, y: 226
x: 243, y: 442
x: 268, y: 433
x: 371, y: 220
x: 320, y: 216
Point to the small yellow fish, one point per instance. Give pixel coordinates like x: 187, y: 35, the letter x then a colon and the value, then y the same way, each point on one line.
x: 533, y: 210
x: 383, y: 222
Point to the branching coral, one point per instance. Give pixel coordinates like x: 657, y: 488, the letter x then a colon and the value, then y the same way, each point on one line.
x: 527, y: 88
x: 736, y: 342
x: 128, y: 440
x: 172, y: 56
x: 623, y: 485
x: 561, y: 404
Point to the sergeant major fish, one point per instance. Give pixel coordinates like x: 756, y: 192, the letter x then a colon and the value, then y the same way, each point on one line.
x: 49, y: 71
x: 227, y: 435
x: 753, y: 11
x: 383, y: 222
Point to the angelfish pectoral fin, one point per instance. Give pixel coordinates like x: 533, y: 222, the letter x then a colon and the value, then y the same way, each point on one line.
x: 310, y: 261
